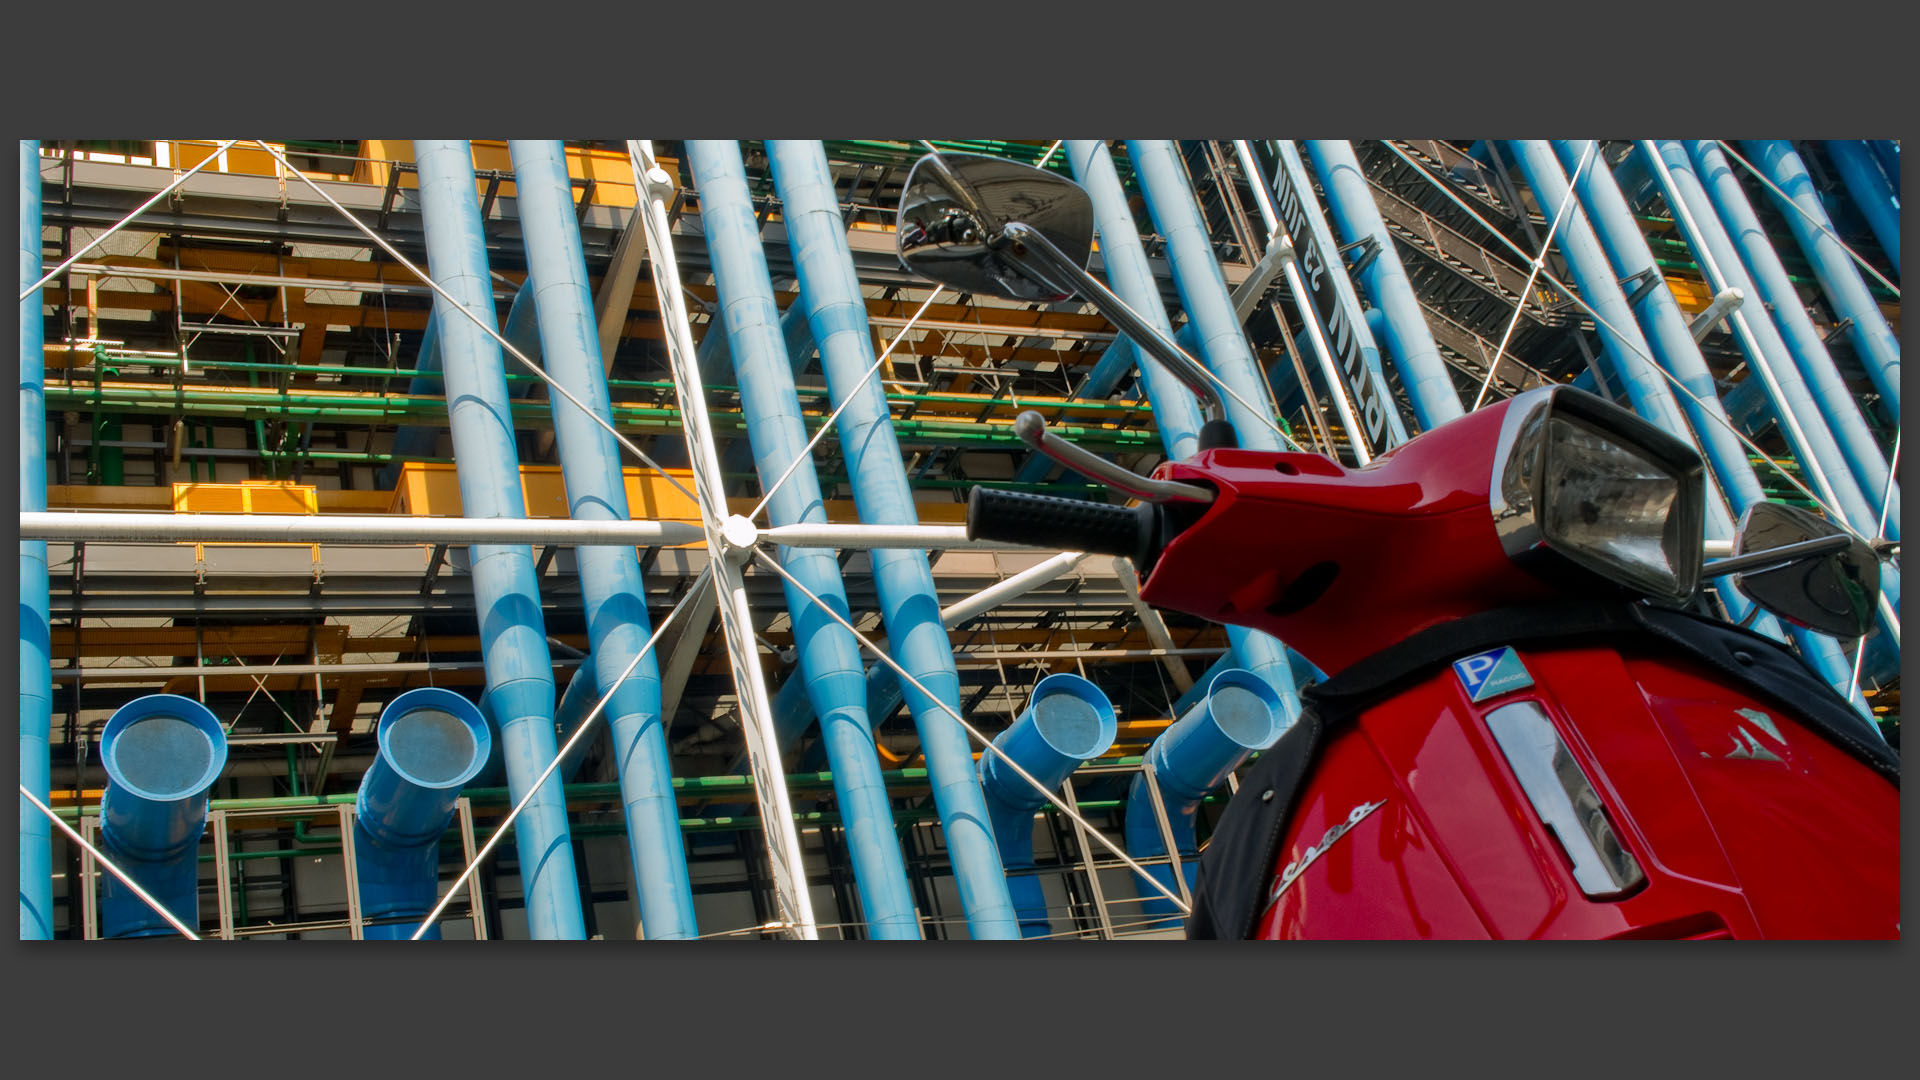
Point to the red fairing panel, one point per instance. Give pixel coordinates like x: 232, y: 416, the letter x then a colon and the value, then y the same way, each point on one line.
x: 1745, y: 823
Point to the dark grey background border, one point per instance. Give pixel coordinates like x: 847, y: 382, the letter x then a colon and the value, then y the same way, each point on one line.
x: 1123, y: 68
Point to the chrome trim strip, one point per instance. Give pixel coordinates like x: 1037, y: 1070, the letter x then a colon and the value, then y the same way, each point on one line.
x: 1518, y: 526
x: 1565, y: 799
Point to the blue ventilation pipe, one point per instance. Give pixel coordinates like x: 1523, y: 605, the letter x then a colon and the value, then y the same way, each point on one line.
x: 1408, y: 340
x: 829, y: 656
x: 714, y: 358
x: 1887, y: 153
x: 1841, y: 411
x: 909, y: 603
x: 1240, y: 714
x: 611, y: 589
x: 1873, y: 339
x: 1344, y: 320
x: 36, y: 662
x: 1223, y: 347
x: 1815, y: 444
x: 432, y: 741
x: 513, y: 639
x: 1067, y: 721
x: 1876, y: 195
x: 161, y: 752
x: 1625, y: 346
x: 1304, y: 674
x: 1202, y: 288
x: 1674, y: 350
x: 1131, y: 278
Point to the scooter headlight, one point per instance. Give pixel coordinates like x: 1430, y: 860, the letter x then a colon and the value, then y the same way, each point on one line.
x: 1597, y: 486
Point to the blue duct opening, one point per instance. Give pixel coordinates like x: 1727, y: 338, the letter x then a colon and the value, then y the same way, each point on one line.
x: 432, y: 741
x: 162, y: 757
x: 162, y: 752
x: 430, y: 747
x: 1240, y: 714
x: 1067, y: 721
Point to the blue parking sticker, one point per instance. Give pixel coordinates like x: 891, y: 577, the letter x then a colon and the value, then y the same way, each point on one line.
x: 1491, y: 673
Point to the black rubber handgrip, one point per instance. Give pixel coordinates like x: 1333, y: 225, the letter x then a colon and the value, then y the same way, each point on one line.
x: 1063, y: 524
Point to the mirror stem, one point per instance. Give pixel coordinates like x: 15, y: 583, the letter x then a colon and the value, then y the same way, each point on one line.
x: 1780, y: 556
x: 1034, y: 252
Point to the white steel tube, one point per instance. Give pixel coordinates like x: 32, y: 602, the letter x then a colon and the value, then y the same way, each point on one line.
x: 304, y: 529
x: 1018, y: 585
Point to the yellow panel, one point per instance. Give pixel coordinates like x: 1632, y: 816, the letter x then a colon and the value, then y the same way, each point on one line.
x: 186, y: 153
x: 266, y: 497
x: 1692, y: 296
x: 610, y: 170
x: 433, y: 490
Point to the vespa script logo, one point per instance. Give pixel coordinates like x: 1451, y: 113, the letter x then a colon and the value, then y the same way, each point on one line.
x: 1307, y: 858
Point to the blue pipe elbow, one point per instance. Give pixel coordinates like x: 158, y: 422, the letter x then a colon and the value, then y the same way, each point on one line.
x: 162, y: 752
x: 432, y: 742
x: 1240, y: 714
x: 1067, y: 721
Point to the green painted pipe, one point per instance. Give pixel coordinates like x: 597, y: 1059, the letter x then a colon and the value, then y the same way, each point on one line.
x: 810, y: 393
x: 656, y: 420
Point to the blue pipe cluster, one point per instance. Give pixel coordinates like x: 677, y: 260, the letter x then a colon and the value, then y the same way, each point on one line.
x: 1864, y: 457
x: 1067, y: 721
x: 1840, y: 279
x: 1403, y: 323
x: 1202, y: 288
x: 36, y: 657
x: 162, y: 752
x: 513, y: 639
x: 829, y: 655
x: 1240, y: 714
x: 432, y: 742
x: 1818, y: 445
x: 1224, y: 348
x: 611, y: 589
x: 1348, y: 331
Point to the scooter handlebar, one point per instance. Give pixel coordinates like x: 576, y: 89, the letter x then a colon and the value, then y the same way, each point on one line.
x: 1048, y: 521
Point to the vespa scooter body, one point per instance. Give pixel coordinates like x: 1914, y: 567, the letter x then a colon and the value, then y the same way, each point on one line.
x: 1597, y: 790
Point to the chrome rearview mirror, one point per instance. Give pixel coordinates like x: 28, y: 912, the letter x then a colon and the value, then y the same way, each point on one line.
x: 1821, y: 577
x: 987, y: 225
x: 955, y: 207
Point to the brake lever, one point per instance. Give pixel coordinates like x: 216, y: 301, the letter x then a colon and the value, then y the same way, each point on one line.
x: 1031, y: 428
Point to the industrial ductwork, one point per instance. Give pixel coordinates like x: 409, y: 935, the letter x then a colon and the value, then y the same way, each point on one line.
x: 432, y: 741
x: 1067, y: 721
x: 162, y: 752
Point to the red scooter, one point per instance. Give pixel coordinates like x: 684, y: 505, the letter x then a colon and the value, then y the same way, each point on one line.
x: 1526, y: 732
